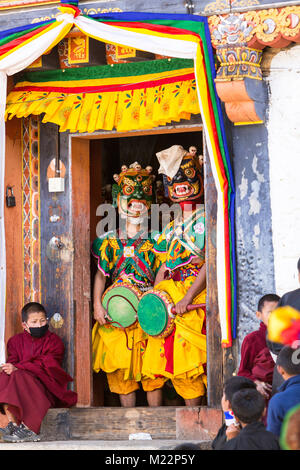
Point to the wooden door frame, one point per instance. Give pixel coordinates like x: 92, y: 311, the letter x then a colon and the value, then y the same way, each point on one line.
x: 81, y: 268
x: 80, y: 204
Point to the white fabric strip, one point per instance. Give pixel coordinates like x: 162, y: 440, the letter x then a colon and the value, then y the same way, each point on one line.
x: 145, y: 42
x: 221, y: 273
x: 3, y: 85
x: 25, y: 55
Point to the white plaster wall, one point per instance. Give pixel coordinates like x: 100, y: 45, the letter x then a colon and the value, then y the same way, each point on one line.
x: 284, y: 154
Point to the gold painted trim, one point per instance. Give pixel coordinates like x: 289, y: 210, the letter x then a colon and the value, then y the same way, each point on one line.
x: 247, y: 123
x: 14, y: 5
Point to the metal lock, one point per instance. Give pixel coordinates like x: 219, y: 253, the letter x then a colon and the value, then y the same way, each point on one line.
x: 10, y: 198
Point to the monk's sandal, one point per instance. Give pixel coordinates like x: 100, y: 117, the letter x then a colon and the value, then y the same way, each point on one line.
x: 21, y: 434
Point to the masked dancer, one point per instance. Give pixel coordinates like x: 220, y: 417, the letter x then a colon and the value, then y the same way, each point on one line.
x: 181, y: 356
x: 127, y: 259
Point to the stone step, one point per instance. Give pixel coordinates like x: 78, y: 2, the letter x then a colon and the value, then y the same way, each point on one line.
x: 136, y: 445
x: 117, y: 424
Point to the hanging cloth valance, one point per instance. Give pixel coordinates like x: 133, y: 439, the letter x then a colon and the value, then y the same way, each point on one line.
x: 123, y: 97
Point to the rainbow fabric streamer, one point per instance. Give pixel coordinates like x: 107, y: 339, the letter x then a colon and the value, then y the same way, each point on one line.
x: 178, y: 36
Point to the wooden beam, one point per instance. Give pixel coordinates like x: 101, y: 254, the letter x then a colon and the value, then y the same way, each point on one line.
x: 159, y: 130
x: 80, y: 155
x: 213, y: 329
x: 13, y: 229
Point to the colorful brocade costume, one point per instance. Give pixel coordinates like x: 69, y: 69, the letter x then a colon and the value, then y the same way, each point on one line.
x: 132, y: 261
x: 181, y: 356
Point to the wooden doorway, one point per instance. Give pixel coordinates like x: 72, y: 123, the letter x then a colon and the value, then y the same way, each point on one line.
x: 95, y: 157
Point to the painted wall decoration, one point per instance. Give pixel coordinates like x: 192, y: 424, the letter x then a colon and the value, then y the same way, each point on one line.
x: 238, y: 62
x: 31, y: 210
x: 276, y: 27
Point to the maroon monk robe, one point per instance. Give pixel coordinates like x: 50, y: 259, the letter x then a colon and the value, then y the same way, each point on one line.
x: 40, y: 382
x: 256, y: 360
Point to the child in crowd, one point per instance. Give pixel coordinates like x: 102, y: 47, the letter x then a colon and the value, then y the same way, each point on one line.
x: 292, y: 299
x: 228, y: 431
x: 248, y: 406
x: 256, y: 361
x: 288, y: 394
x: 32, y: 379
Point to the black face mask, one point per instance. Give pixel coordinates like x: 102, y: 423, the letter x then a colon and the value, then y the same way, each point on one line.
x: 38, y: 332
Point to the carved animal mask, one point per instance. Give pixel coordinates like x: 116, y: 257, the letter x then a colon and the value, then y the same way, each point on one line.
x: 187, y: 184
x: 134, y: 192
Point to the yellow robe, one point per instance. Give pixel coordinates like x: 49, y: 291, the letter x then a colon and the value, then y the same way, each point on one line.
x: 189, y: 343
x: 114, y: 350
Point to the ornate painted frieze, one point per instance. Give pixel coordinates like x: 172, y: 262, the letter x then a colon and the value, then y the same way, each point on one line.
x: 275, y: 27
x: 31, y: 209
x: 238, y: 62
x: 239, y: 40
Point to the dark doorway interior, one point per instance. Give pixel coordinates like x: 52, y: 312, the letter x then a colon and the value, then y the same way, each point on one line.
x: 107, y: 155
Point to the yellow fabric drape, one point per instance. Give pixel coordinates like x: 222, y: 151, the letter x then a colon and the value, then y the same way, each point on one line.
x: 120, y: 110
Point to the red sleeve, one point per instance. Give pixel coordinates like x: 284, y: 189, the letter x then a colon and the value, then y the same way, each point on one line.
x: 248, y: 353
x: 12, y: 351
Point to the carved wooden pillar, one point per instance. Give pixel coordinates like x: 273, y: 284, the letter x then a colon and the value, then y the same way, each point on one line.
x: 239, y: 84
x: 239, y: 81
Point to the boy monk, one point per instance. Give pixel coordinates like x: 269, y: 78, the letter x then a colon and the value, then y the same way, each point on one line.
x: 256, y: 361
x: 32, y: 380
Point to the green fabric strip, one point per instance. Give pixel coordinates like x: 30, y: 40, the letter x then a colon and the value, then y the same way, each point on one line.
x: 107, y: 71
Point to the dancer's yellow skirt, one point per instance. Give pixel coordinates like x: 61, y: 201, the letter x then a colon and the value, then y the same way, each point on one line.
x: 189, y: 353
x: 121, y: 359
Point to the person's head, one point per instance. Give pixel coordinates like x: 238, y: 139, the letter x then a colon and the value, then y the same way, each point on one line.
x: 34, y: 318
x: 288, y: 362
x: 233, y: 385
x: 187, y: 446
x: 193, y: 150
x: 290, y: 431
x: 265, y: 307
x: 248, y: 406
